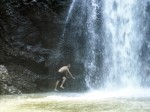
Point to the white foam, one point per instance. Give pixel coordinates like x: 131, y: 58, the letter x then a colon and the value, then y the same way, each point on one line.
x: 102, y: 94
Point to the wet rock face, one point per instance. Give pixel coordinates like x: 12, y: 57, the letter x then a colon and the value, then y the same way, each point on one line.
x: 17, y: 79
x: 6, y: 81
x: 29, y: 31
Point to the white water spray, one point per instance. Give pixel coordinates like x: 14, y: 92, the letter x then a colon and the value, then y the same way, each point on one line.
x: 123, y: 37
x: 114, y: 38
x: 90, y: 63
x: 70, y: 10
x: 58, y: 53
x: 123, y: 42
x: 68, y: 16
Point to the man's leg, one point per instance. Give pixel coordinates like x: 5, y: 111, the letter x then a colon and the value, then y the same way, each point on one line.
x: 56, y: 85
x: 62, y: 84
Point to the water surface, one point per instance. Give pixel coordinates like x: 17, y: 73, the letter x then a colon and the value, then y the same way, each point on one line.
x: 76, y: 102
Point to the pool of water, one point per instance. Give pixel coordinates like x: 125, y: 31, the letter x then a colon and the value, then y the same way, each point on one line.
x: 77, y: 102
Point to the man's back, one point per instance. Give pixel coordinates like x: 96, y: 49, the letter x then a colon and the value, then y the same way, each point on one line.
x: 63, y: 69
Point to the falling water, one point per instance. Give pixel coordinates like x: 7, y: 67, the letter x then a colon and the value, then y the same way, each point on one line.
x: 113, y: 32
x: 70, y: 10
x: 68, y: 16
x: 123, y: 42
x: 91, y: 64
x: 123, y: 38
x: 117, y: 40
x: 57, y: 53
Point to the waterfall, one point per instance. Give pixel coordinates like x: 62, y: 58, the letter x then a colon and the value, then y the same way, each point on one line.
x: 114, y: 33
x: 122, y: 42
x: 90, y: 59
x: 122, y: 39
x: 58, y: 53
x: 68, y: 16
x: 70, y: 10
x: 93, y: 52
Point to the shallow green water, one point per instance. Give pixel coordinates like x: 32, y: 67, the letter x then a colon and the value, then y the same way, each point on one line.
x: 72, y: 102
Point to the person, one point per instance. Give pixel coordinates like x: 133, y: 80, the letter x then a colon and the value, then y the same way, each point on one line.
x: 62, y: 74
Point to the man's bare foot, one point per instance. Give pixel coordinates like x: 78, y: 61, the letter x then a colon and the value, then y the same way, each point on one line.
x: 62, y: 87
x: 55, y: 90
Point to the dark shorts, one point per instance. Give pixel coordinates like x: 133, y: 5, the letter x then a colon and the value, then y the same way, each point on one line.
x: 59, y: 76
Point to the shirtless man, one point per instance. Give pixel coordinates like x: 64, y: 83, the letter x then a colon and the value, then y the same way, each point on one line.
x: 61, y: 75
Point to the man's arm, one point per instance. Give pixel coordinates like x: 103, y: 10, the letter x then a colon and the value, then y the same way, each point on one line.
x: 67, y: 74
x: 70, y: 73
